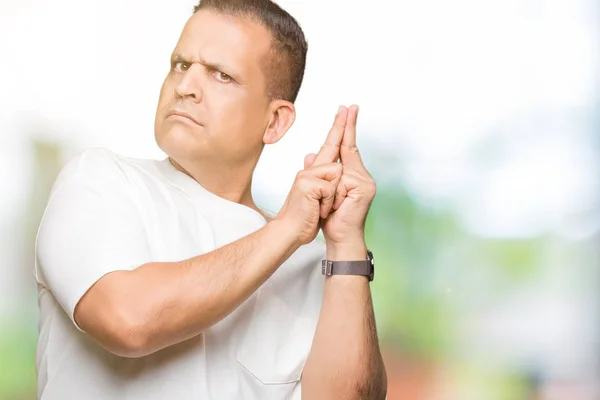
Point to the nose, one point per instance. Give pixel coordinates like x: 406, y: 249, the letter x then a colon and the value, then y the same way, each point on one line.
x: 190, y: 86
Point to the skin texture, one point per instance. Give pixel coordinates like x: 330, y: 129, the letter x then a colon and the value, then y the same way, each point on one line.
x: 345, y: 361
x: 218, y: 81
x: 213, y: 120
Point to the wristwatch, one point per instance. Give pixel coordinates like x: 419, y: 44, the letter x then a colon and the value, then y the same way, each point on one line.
x: 362, y: 267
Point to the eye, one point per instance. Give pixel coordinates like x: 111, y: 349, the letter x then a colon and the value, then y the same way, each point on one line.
x: 223, y: 77
x: 181, y: 66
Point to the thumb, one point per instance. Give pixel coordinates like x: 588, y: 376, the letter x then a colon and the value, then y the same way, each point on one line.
x: 309, y: 160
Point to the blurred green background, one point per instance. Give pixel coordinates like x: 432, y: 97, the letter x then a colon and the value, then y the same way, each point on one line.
x: 480, y: 123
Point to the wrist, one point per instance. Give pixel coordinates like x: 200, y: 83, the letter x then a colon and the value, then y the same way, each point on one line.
x: 283, y: 235
x: 347, y: 251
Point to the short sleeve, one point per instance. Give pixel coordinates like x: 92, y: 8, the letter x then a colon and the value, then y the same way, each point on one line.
x: 92, y: 226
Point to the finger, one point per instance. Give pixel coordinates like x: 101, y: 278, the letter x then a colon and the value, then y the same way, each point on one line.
x: 331, y: 172
x: 318, y: 189
x: 309, y: 160
x: 347, y: 184
x: 330, y: 176
x: 340, y: 195
x: 328, y: 195
x: 349, y: 151
x: 331, y: 148
x: 349, y: 138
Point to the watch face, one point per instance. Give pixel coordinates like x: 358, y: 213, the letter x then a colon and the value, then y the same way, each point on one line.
x: 370, y: 258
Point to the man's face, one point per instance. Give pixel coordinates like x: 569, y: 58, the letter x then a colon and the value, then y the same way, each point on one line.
x: 212, y: 103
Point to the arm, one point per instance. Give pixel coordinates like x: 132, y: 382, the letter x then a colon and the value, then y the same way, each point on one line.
x: 345, y: 361
x: 135, y: 313
x: 132, y: 306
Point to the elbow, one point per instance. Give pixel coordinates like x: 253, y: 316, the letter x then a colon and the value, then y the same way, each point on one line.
x: 127, y: 341
x: 109, y: 314
x: 128, y: 334
x: 119, y: 330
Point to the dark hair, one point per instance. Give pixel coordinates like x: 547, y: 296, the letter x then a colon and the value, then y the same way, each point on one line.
x: 284, y: 69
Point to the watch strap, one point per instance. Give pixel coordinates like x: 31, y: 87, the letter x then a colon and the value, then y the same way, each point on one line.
x: 362, y: 267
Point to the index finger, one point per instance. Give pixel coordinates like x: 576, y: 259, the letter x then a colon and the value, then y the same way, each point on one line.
x: 331, y: 148
x: 349, y: 152
x: 350, y: 134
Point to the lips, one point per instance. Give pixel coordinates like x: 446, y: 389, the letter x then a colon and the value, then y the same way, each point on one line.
x: 184, y: 115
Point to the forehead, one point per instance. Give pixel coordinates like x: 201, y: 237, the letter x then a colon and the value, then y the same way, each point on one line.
x: 234, y: 41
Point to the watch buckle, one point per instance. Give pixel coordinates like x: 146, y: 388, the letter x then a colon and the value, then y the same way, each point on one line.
x: 327, y: 267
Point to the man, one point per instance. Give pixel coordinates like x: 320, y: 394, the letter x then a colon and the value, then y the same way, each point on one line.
x: 164, y: 280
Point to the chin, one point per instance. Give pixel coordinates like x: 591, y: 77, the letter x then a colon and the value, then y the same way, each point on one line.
x: 182, y: 142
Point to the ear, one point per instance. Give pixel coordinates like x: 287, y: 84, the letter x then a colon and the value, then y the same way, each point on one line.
x: 283, y: 115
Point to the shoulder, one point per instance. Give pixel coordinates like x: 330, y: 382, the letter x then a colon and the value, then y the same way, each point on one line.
x: 98, y: 163
x: 91, y: 174
x: 99, y: 167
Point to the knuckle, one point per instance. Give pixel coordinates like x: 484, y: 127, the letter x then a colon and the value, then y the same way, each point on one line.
x: 302, y: 180
x: 371, y: 188
x: 303, y: 175
x: 330, y: 190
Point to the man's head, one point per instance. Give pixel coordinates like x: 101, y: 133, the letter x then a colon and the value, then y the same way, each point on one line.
x: 236, y: 71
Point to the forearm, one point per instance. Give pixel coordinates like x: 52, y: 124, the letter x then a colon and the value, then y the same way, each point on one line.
x: 345, y: 361
x: 163, y: 303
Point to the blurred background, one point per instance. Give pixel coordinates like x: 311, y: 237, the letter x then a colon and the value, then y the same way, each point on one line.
x: 480, y: 121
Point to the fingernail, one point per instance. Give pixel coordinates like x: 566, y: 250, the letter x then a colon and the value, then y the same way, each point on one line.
x: 340, y: 110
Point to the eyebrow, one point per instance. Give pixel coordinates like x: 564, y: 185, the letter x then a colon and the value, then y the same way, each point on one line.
x: 178, y: 57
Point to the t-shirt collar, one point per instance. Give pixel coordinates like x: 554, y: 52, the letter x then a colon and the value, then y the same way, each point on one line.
x: 194, y: 189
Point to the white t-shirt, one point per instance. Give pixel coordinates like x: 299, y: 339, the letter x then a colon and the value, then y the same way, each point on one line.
x: 107, y: 213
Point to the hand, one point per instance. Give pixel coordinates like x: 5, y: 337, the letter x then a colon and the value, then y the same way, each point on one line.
x: 345, y: 225
x: 313, y: 192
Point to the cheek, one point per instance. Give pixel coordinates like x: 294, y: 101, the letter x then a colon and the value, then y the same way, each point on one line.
x: 238, y: 110
x: 164, y: 95
x: 164, y: 99
x: 223, y: 109
x: 167, y: 90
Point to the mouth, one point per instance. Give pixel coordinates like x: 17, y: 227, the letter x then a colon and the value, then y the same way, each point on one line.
x: 182, y: 114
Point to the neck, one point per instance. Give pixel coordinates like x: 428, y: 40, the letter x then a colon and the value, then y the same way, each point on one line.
x: 233, y: 184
